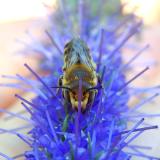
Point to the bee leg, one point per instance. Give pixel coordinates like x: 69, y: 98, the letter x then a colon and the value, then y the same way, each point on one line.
x: 66, y: 106
x: 67, y: 103
x: 59, y: 84
x: 99, y: 79
x: 99, y: 83
x: 92, y: 98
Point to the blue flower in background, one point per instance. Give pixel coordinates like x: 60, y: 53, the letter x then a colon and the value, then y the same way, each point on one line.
x: 101, y: 132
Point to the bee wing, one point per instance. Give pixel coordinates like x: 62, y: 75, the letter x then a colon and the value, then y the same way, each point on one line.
x: 78, y: 53
x: 73, y: 58
x: 86, y: 59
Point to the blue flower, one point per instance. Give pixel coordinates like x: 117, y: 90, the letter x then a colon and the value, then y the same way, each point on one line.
x: 101, y: 132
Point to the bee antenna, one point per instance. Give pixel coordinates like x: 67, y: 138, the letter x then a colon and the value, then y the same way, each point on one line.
x: 94, y: 88
x: 63, y: 87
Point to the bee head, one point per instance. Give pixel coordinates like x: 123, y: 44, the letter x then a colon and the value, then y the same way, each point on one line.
x: 86, y: 98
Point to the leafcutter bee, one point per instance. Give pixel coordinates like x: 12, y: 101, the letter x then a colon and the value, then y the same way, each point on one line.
x: 78, y: 64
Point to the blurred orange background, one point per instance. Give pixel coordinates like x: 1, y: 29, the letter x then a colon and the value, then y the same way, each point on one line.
x: 16, y: 17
